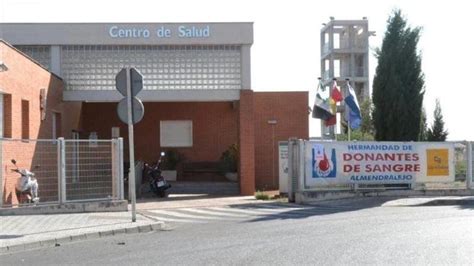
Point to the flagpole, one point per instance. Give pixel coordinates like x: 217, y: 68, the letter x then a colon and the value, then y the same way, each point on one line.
x: 349, y: 130
x: 348, y: 120
x: 334, y: 128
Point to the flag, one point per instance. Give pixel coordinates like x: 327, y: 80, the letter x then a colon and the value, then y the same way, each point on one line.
x: 352, y: 108
x: 336, y: 97
x: 321, y: 108
x: 331, y: 121
x: 335, y: 93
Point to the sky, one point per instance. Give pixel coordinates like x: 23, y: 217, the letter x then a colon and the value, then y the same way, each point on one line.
x: 286, y: 51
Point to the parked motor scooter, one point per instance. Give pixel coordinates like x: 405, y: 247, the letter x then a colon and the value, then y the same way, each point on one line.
x: 27, y: 185
x: 158, y: 184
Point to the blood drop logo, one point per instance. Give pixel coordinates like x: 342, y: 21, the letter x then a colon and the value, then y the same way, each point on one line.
x: 323, y: 167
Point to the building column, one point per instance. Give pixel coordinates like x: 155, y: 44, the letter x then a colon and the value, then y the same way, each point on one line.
x: 331, y: 50
x: 246, y: 143
x: 56, y: 60
x: 245, y: 66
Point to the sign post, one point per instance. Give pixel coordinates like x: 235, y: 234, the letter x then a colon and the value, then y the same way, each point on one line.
x: 129, y: 82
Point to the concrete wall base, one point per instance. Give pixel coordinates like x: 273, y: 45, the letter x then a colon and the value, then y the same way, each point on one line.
x: 76, y: 207
x: 316, y: 196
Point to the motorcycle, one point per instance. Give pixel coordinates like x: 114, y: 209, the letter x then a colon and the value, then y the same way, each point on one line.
x: 158, y: 184
x: 27, y: 185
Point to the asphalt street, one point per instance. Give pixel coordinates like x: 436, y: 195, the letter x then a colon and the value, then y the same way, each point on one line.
x: 351, y: 233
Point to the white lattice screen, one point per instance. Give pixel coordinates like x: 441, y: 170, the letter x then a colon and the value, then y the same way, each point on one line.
x: 93, y: 67
x: 39, y: 53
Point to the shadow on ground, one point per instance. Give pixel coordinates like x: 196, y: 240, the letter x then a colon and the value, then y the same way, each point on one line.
x: 177, y: 197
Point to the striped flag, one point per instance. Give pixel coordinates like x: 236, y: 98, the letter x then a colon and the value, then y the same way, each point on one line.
x: 336, y: 97
x: 321, y: 108
x: 353, y: 110
x: 335, y: 93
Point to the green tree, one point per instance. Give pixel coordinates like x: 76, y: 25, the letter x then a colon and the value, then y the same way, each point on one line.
x: 398, y: 88
x: 423, y: 126
x: 437, y: 131
x: 366, y: 125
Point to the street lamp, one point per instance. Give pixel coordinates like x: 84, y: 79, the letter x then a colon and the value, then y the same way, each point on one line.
x: 3, y: 67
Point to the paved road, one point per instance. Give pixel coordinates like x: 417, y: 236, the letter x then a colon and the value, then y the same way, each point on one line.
x: 283, y: 235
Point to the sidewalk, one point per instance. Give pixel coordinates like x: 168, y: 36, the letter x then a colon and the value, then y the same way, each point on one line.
x: 24, y: 232
x: 399, y: 201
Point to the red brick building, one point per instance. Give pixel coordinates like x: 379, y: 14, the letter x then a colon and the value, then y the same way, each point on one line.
x: 216, y: 126
x: 197, y: 91
x: 32, y: 108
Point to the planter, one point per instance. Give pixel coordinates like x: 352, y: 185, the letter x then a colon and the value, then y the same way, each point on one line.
x: 169, y: 175
x: 232, y: 176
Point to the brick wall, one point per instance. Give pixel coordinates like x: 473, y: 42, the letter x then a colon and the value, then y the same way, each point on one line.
x: 214, y: 127
x: 290, y: 110
x: 247, y: 142
x: 21, y: 85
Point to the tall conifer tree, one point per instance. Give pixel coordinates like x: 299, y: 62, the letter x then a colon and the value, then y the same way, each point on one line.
x: 398, y: 88
x: 437, y: 131
x: 423, y: 126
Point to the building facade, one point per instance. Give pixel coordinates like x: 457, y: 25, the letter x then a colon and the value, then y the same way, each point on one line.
x: 197, y: 89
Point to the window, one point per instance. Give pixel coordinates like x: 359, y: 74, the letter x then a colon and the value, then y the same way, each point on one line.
x: 25, y: 119
x: 6, y: 116
x: 176, y: 133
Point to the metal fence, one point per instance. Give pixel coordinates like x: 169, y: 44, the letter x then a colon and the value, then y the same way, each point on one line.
x: 66, y: 170
x: 461, y: 175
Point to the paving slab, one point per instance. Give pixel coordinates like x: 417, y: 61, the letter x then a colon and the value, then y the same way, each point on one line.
x: 23, y: 232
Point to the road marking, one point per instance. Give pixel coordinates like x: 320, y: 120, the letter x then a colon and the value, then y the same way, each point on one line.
x: 239, y: 213
x: 180, y: 214
x: 209, y: 211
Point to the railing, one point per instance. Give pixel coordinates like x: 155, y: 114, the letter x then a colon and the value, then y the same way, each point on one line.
x: 470, y: 165
x: 66, y: 170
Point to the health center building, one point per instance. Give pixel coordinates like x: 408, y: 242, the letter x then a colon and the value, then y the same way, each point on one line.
x: 197, y: 91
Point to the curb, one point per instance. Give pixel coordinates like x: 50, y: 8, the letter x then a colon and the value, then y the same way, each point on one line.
x: 447, y: 202
x: 77, y: 207
x: 157, y: 226
x: 308, y: 197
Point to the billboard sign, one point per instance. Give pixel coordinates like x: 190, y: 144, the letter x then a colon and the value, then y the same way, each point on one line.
x: 329, y: 163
